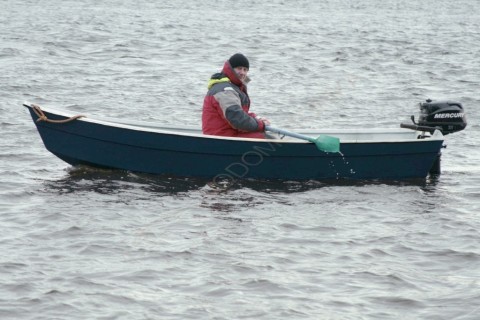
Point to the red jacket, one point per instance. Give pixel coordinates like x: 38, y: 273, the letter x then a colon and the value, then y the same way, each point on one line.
x: 226, y: 108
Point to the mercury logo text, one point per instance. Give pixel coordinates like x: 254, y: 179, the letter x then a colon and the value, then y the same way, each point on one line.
x: 449, y: 115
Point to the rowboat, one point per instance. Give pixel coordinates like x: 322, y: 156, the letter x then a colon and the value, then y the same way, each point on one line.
x: 410, y: 152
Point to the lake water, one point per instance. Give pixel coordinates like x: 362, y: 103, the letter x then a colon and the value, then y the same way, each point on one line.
x: 79, y: 243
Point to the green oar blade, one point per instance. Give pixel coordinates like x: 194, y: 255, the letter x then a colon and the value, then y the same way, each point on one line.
x: 323, y: 142
x: 327, y: 143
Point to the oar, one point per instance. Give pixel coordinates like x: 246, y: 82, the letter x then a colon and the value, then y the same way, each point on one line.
x: 323, y: 142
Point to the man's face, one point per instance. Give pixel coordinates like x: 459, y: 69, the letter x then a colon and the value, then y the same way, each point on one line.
x: 241, y: 73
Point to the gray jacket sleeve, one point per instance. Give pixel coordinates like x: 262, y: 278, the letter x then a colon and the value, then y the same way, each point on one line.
x: 230, y: 104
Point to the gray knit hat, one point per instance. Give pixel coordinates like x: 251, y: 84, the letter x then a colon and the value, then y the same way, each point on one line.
x: 239, y: 60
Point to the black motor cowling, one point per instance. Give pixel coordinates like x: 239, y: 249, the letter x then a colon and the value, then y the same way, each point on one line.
x: 448, y: 115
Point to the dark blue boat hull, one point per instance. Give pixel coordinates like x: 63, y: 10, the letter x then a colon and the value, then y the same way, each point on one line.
x: 126, y: 148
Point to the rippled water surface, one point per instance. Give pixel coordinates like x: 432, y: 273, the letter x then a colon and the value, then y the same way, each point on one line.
x: 79, y: 243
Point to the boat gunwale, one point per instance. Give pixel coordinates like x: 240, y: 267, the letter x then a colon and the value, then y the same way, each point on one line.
x: 173, y: 130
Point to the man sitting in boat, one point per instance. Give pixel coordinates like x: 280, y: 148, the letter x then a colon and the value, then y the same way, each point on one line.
x: 226, y: 105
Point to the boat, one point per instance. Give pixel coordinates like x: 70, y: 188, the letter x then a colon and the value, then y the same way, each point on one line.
x: 411, y: 151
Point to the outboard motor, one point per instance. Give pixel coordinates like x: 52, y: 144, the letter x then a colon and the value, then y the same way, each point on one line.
x: 446, y: 116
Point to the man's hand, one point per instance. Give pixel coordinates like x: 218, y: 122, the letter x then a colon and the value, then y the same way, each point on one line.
x: 264, y: 120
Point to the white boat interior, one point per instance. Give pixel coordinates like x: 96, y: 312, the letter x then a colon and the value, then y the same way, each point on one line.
x: 345, y: 135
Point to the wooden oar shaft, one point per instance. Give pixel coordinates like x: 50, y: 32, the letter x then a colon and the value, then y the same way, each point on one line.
x: 289, y: 133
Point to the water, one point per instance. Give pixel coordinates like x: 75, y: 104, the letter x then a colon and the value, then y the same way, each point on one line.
x: 79, y: 243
